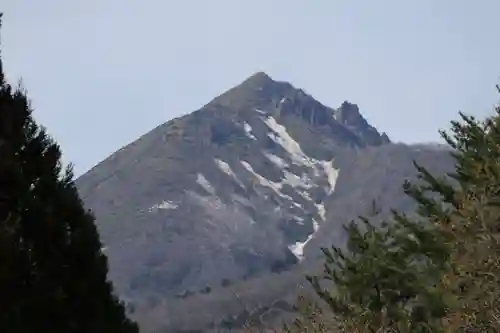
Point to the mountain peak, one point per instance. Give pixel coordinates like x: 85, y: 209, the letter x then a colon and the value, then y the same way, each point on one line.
x: 257, y: 90
x: 260, y: 92
x: 259, y: 78
x: 259, y: 81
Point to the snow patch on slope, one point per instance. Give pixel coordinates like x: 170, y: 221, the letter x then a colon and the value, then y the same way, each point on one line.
x: 331, y: 173
x: 224, y: 167
x: 321, y: 210
x: 276, y: 187
x: 298, y: 248
x: 165, y: 204
x: 290, y: 179
x: 280, y: 135
x: 203, y: 182
x: 278, y: 161
x: 248, y: 130
x: 294, y: 181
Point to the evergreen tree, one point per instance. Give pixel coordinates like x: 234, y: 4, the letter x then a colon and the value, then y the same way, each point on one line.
x: 384, y: 281
x: 474, y: 277
x: 53, y: 275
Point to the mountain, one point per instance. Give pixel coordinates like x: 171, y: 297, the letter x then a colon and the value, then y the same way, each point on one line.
x: 245, y: 189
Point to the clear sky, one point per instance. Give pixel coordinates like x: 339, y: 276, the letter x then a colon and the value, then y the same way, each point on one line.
x: 102, y: 72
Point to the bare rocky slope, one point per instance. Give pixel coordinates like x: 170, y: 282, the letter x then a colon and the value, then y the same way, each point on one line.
x: 232, y: 202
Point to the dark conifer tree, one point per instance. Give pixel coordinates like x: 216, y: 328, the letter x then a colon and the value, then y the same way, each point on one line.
x: 53, y: 275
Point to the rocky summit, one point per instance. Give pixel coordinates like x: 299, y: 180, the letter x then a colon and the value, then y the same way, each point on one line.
x: 251, y: 184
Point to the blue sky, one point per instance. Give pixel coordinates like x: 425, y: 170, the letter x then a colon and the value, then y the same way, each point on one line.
x: 101, y: 73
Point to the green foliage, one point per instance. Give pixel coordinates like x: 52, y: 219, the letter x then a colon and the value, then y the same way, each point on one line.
x: 474, y: 275
x: 384, y: 279
x: 52, y: 270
